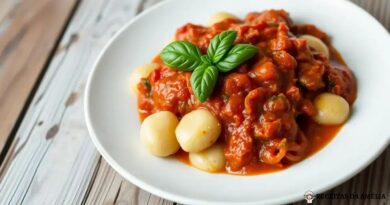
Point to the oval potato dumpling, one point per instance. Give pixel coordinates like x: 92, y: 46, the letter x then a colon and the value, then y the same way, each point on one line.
x: 331, y: 109
x: 197, y: 130
x: 220, y: 16
x: 317, y: 44
x: 158, y: 133
x: 141, y: 72
x: 210, y: 160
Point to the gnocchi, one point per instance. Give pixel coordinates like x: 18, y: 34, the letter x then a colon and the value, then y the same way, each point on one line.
x: 141, y: 72
x: 331, y: 109
x: 158, y: 133
x: 220, y: 16
x: 317, y: 44
x: 211, y: 160
x: 198, y: 130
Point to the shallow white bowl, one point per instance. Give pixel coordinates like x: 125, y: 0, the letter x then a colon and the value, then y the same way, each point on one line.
x: 113, y: 123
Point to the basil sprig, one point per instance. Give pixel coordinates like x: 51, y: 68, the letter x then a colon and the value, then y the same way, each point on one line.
x: 222, y: 56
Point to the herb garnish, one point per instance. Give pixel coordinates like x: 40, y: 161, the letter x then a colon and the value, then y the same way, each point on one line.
x: 222, y: 56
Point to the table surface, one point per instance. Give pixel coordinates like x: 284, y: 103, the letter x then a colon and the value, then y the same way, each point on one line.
x: 47, y: 48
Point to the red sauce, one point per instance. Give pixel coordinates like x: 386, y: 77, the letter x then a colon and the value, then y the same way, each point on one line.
x: 265, y: 105
x: 318, y: 136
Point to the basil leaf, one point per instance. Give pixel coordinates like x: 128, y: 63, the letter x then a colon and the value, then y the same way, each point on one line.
x: 220, y: 45
x: 181, y: 55
x: 203, y: 81
x: 236, y: 56
x: 206, y: 60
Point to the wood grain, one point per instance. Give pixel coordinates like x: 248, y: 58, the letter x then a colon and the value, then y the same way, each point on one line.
x: 29, y: 30
x: 52, y: 160
x: 111, y: 188
x: 380, y: 9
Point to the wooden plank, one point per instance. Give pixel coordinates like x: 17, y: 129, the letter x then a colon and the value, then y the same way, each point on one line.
x: 111, y: 188
x: 377, y: 8
x: 29, y: 30
x: 52, y: 158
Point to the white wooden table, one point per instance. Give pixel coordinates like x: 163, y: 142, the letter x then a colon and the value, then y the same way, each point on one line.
x: 47, y: 48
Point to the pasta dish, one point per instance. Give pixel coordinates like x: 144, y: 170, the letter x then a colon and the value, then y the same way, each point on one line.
x: 244, y: 96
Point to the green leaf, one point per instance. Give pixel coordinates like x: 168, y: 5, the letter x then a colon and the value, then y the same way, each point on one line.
x: 236, y: 56
x: 220, y: 45
x: 181, y: 55
x: 222, y: 55
x: 205, y: 59
x: 203, y: 81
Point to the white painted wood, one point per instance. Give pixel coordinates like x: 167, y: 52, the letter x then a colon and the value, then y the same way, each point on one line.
x: 110, y: 188
x: 53, y: 158
x: 5, y: 7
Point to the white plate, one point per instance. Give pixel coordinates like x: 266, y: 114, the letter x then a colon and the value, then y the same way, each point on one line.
x: 113, y: 123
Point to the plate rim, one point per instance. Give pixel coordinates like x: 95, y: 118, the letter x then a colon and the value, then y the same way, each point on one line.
x: 189, y: 200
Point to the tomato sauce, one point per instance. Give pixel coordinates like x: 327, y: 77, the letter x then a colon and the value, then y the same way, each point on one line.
x: 318, y: 136
x: 265, y: 106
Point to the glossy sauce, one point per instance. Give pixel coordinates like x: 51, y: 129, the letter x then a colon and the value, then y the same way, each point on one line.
x: 318, y: 136
x: 263, y: 116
